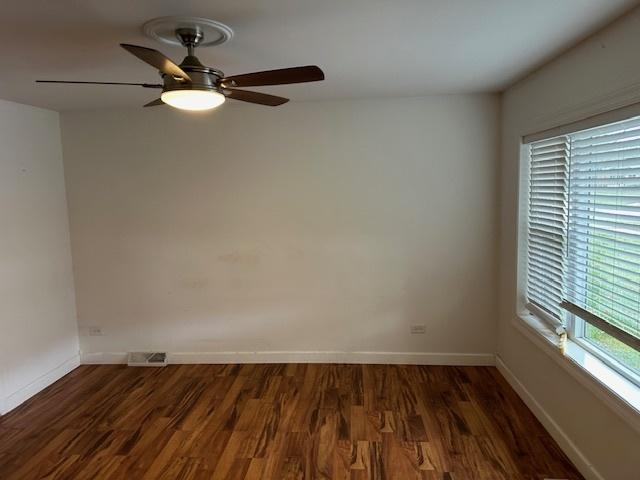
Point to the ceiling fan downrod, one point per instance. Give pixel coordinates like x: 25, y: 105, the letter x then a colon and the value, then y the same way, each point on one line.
x: 190, y: 37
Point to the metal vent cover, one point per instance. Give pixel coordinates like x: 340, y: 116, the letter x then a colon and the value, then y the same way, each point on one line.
x: 147, y: 359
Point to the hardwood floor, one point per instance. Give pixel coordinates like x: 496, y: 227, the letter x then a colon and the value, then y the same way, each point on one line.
x: 290, y: 421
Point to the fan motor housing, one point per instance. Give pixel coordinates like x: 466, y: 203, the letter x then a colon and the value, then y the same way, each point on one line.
x: 202, y: 77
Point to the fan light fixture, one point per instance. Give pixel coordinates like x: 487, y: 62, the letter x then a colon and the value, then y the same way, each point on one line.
x: 193, y: 86
x: 193, y: 100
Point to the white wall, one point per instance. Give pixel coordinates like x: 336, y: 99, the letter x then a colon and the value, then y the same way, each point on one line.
x: 600, y: 74
x: 38, y: 331
x: 313, y: 227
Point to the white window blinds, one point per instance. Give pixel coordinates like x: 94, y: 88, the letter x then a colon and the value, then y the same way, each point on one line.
x: 603, y: 254
x: 584, y: 227
x: 548, y: 182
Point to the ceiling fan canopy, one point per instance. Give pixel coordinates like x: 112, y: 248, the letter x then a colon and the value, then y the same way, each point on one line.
x: 194, y: 86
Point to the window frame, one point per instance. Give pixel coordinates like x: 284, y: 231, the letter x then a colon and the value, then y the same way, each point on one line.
x: 576, y: 331
x: 573, y: 326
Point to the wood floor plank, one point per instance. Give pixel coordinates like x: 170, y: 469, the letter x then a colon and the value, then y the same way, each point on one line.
x: 279, y: 421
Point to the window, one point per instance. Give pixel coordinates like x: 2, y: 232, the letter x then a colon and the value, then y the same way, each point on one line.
x: 583, y: 239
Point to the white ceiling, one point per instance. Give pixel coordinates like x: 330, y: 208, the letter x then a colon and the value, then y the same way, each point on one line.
x: 366, y: 47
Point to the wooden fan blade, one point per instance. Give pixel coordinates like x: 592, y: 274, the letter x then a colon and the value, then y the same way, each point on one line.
x: 155, y: 103
x: 283, y: 76
x: 157, y: 60
x: 145, y: 85
x: 255, y: 97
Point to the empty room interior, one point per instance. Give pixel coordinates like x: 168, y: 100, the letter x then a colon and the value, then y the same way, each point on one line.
x: 355, y: 239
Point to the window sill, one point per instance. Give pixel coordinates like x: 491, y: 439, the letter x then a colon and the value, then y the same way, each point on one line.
x: 620, y: 394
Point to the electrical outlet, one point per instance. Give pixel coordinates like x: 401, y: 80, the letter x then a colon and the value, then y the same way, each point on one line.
x: 418, y: 329
x: 94, y: 331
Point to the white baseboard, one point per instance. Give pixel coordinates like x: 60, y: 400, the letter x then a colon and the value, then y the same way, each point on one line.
x: 103, y: 358
x: 14, y: 399
x: 566, y: 444
x: 397, y: 358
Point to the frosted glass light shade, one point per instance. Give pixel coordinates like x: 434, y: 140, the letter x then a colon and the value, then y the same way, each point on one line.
x: 193, y: 99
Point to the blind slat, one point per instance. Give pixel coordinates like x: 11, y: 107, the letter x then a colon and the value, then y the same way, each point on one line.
x: 583, y: 148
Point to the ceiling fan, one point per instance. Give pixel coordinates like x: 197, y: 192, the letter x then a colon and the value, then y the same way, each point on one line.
x: 194, y: 86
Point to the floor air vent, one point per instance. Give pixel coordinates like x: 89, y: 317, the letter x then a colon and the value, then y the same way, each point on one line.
x: 147, y: 359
